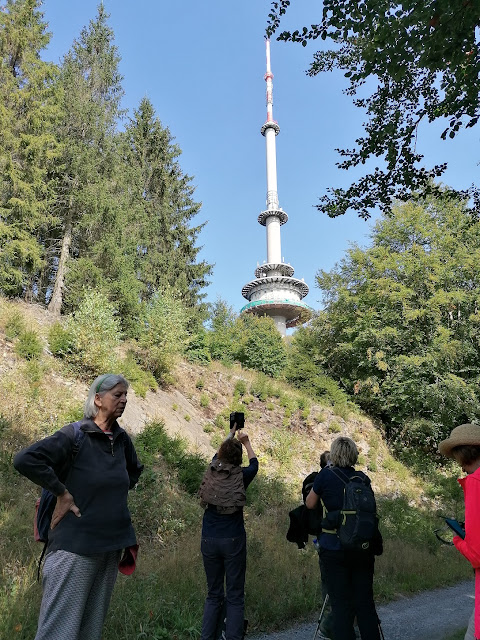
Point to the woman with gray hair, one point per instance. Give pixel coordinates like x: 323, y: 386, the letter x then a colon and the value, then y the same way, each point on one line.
x: 89, y: 466
x: 348, y: 572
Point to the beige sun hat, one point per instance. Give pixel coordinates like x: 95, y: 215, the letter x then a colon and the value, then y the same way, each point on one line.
x: 465, y: 434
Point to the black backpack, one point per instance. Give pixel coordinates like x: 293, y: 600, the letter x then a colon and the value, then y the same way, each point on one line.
x: 45, y: 505
x: 357, y: 523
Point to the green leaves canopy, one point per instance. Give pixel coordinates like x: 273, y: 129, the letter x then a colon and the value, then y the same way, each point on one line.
x: 401, y: 324
x: 424, y: 61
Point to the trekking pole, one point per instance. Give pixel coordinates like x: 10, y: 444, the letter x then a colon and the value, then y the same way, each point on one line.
x: 320, y: 616
x: 380, y: 630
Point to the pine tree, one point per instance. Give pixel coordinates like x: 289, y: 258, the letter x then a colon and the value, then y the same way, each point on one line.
x: 29, y: 150
x: 167, y: 251
x: 92, y: 94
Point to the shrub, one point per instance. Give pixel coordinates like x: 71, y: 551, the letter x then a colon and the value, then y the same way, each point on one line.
x: 303, y: 403
x: 189, y: 467
x: 241, y: 387
x: 282, y: 446
x: 200, y: 383
x: 222, y: 339
x: 163, y: 335
x: 28, y: 345
x: 141, y: 380
x: 204, y: 400
x: 334, y: 427
x: 14, y: 325
x: 305, y: 414
x: 216, y: 440
x: 61, y: 340
x: 96, y: 332
x: 343, y: 410
x: 187, y: 418
x: 34, y: 372
x: 197, y: 348
x: 261, y: 346
x: 220, y: 421
x: 260, y: 388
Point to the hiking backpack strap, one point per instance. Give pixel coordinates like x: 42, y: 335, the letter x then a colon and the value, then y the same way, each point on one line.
x: 325, y: 514
x: 344, y: 512
x: 46, y: 503
x: 346, y: 480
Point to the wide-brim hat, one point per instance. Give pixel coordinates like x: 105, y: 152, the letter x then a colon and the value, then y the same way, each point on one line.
x: 465, y: 434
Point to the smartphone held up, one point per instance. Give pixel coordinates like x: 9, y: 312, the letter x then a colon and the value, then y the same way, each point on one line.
x: 237, y: 420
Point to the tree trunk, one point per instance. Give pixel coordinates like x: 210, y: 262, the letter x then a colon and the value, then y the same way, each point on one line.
x: 55, y: 304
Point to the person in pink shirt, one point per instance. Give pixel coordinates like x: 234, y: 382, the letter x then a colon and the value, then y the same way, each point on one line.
x: 463, y: 445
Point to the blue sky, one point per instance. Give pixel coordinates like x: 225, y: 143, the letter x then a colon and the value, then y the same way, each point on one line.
x: 202, y: 65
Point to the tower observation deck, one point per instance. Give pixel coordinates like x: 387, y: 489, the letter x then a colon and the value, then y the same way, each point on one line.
x: 275, y: 292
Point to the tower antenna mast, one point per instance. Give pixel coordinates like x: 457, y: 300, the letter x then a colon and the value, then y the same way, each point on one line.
x: 274, y: 292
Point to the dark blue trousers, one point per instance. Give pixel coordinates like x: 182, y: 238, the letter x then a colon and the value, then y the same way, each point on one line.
x: 225, y: 560
x: 349, y: 577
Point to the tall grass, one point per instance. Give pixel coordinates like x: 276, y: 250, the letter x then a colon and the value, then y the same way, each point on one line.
x: 164, y: 598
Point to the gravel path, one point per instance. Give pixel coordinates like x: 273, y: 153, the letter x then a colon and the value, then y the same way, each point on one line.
x: 432, y: 615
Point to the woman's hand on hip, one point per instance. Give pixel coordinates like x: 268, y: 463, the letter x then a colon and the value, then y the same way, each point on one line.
x: 65, y: 503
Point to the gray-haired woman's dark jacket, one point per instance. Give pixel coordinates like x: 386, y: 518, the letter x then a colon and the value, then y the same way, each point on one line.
x: 99, y: 479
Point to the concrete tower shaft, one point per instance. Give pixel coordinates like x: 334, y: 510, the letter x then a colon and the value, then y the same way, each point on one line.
x: 274, y: 292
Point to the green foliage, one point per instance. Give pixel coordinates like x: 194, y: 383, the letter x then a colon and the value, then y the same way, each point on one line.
x: 400, y: 326
x: 164, y: 333
x: 85, y: 202
x: 165, y: 207
x: 240, y: 387
x: 190, y: 467
x: 220, y: 422
x: 261, y: 387
x: 200, y: 383
x: 14, y: 325
x: 422, y: 64
x: 29, y: 149
x: 216, y: 440
x: 96, y: 333
x: 304, y: 372
x: 222, y: 336
x: 29, y: 345
x: 204, y: 400
x: 141, y: 380
x: 61, y: 340
x: 282, y: 447
x: 72, y: 415
x: 261, y: 347
x: 197, y: 348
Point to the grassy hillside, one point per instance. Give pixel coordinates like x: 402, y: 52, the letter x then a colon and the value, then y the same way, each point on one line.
x: 176, y: 431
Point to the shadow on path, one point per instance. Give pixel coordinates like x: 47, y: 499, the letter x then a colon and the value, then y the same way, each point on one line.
x: 432, y: 615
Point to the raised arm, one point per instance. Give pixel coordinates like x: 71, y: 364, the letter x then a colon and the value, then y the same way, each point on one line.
x: 245, y: 440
